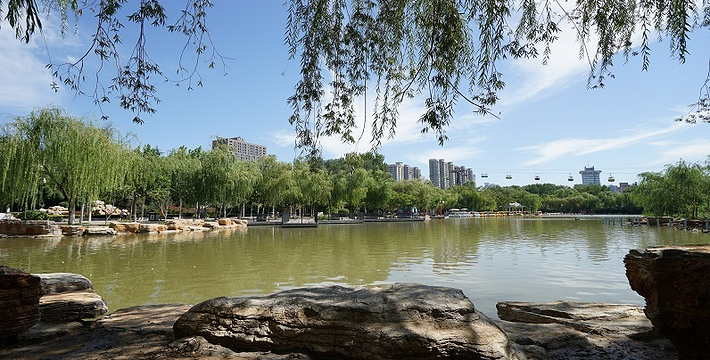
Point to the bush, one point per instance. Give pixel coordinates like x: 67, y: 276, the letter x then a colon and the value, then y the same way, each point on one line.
x: 33, y: 215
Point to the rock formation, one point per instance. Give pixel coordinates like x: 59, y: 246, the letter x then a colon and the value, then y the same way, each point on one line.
x: 69, y: 297
x: 398, y: 321
x: 578, y: 330
x: 674, y: 281
x: 19, y: 302
x: 29, y: 228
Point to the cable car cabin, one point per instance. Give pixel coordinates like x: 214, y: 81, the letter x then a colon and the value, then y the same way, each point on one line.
x: 508, y: 176
x: 537, y: 177
x: 484, y: 175
x: 611, y: 178
x: 570, y: 178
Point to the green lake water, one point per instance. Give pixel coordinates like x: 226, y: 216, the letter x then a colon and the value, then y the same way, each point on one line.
x: 490, y: 259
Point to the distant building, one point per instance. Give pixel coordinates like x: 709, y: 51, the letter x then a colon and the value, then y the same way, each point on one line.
x: 623, y: 186
x: 416, y: 173
x: 241, y: 149
x: 590, y: 176
x: 445, y: 174
x: 401, y: 172
x: 434, y: 172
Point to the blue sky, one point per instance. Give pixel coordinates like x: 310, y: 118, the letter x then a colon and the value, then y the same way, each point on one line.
x: 550, y: 123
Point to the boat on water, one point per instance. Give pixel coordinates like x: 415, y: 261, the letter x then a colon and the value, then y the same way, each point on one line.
x: 459, y: 213
x: 299, y: 225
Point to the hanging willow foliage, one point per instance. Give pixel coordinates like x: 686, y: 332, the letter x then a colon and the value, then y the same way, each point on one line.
x: 447, y: 51
x: 77, y: 157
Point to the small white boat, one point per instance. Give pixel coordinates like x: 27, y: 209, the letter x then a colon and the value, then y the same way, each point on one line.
x: 459, y: 213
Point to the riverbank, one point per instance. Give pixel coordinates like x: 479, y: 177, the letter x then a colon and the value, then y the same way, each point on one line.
x: 48, y: 228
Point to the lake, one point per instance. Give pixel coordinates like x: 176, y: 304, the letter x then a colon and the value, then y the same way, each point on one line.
x: 490, y: 259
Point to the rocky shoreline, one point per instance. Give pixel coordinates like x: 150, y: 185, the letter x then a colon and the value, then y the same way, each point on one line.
x: 146, y: 332
x: 47, y: 228
x: 393, y: 321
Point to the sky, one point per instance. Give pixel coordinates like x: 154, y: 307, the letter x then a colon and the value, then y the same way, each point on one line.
x: 549, y: 123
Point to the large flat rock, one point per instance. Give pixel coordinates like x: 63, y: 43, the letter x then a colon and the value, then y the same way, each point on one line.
x: 571, y: 330
x: 398, y: 321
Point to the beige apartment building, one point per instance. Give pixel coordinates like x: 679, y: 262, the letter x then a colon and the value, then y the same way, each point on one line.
x: 243, y: 150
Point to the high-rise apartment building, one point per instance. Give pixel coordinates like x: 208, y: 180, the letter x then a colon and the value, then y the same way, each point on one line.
x: 400, y: 171
x: 416, y: 172
x: 434, y: 172
x: 444, y: 174
x: 241, y: 149
x: 590, y: 176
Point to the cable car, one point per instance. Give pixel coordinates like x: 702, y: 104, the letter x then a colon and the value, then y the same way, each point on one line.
x: 537, y: 177
x: 570, y: 178
x: 484, y: 175
x: 611, y: 178
x: 508, y: 176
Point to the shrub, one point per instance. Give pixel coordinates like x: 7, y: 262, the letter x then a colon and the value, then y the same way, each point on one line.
x: 33, y: 215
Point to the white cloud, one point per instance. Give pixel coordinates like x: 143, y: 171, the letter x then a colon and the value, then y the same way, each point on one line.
x: 529, y: 78
x: 578, y: 147
x: 692, y: 151
x: 24, y: 78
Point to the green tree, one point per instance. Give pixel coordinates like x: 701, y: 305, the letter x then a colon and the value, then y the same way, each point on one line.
x: 679, y: 190
x: 314, y: 185
x: 243, y: 178
x: 148, y: 179
x: 379, y: 191
x: 185, y: 167
x: 355, y: 184
x: 218, y: 178
x: 273, y: 185
x: 79, y: 158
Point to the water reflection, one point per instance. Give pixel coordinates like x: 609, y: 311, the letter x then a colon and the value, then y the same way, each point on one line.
x: 490, y: 259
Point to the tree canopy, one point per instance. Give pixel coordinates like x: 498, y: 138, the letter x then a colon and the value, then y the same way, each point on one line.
x: 447, y: 51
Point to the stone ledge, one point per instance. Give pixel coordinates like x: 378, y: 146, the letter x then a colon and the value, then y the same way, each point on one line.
x: 579, y: 330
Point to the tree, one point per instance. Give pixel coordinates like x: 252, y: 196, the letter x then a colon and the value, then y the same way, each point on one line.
x: 243, y: 176
x: 185, y: 167
x: 48, y: 145
x: 313, y: 184
x: 398, y: 48
x: 379, y: 190
x: 679, y: 190
x: 148, y: 179
x: 271, y: 188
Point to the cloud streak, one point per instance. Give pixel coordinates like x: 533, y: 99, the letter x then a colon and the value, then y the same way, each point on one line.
x: 671, y: 152
x: 578, y: 147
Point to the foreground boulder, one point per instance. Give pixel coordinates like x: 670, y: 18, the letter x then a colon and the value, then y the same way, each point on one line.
x: 69, y: 297
x: 19, y: 302
x: 579, y: 330
x: 398, y: 321
x: 675, y: 283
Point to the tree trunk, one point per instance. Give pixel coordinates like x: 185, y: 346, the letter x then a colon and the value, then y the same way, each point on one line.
x: 180, y: 209
x: 72, y: 209
x: 81, y: 216
x: 91, y: 210
x: 134, y: 213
